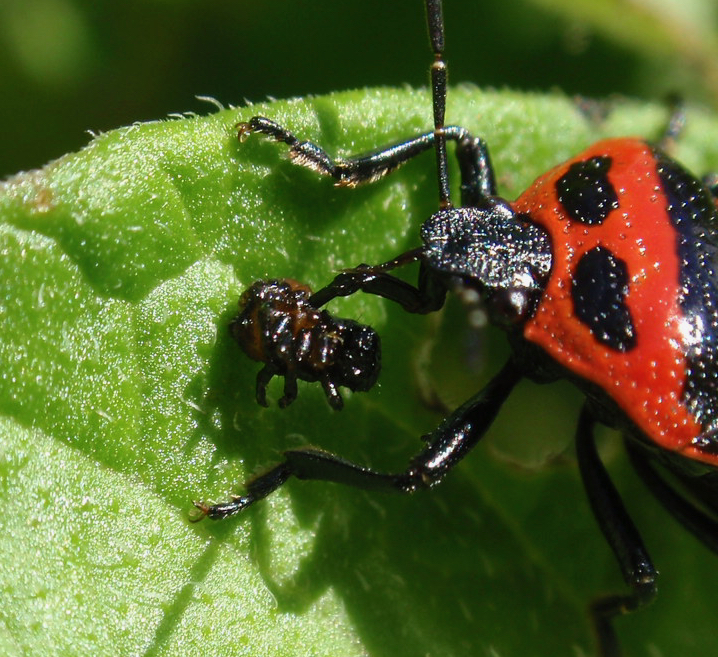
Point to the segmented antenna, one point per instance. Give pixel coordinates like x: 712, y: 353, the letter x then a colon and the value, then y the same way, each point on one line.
x: 439, y: 76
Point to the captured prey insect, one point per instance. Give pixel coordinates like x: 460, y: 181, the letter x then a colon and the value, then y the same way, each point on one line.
x: 278, y: 325
x: 602, y: 272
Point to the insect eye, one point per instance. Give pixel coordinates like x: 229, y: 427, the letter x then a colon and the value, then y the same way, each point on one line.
x: 510, y: 306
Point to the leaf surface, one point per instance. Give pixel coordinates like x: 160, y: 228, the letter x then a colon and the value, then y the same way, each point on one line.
x: 122, y: 398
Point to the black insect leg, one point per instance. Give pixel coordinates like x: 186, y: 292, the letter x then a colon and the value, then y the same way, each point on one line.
x: 447, y: 445
x: 265, y: 375
x: 426, y: 297
x: 622, y: 536
x: 290, y: 389
x: 477, y: 174
x: 331, y: 390
x: 700, y: 524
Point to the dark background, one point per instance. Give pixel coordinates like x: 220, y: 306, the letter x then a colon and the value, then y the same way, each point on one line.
x: 69, y: 66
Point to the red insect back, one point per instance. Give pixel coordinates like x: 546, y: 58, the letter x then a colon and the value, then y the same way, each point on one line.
x: 611, y: 310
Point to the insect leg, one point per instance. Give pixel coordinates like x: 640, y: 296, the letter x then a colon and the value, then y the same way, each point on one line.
x: 621, y: 534
x: 700, y: 524
x: 447, y: 445
x: 477, y: 174
x: 426, y: 297
x: 264, y: 376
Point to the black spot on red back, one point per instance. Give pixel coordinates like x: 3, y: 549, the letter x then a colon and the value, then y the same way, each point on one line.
x: 599, y: 287
x: 585, y: 192
x: 691, y: 208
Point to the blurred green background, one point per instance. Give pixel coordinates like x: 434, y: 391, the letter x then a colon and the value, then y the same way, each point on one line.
x: 69, y: 66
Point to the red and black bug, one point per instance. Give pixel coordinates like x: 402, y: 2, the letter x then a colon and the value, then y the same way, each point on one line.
x: 603, y: 272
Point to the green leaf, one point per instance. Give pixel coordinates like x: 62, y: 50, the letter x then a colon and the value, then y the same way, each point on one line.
x: 122, y: 399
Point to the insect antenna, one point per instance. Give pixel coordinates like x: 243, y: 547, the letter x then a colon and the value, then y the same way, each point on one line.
x: 439, y: 77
